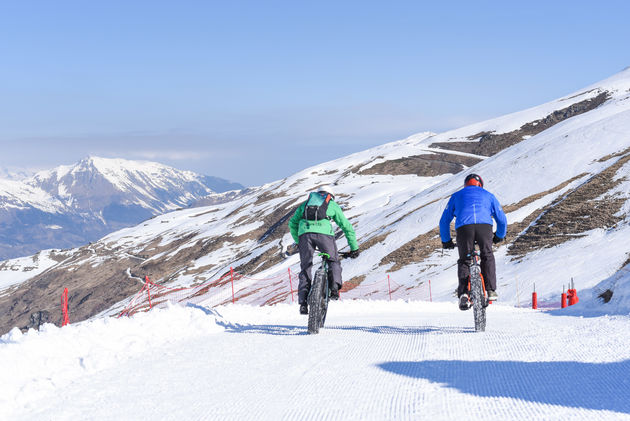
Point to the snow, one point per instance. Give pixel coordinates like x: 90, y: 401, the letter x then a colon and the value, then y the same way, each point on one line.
x: 591, y: 304
x: 374, y: 360
x: 17, y: 194
x: 142, y: 181
x: 16, y: 271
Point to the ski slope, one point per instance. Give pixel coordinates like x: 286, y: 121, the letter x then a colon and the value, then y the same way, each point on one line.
x: 374, y: 360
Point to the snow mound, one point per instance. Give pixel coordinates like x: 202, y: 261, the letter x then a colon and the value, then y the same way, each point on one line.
x: 74, y: 351
x: 610, y: 297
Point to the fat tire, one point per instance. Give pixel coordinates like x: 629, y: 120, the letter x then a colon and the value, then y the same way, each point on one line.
x: 478, y: 299
x: 317, y: 302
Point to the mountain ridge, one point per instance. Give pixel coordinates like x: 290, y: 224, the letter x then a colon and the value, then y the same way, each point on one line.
x: 74, y: 204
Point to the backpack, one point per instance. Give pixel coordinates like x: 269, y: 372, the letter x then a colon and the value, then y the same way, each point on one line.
x: 316, y: 207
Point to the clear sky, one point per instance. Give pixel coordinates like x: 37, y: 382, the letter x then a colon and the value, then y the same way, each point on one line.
x: 254, y: 90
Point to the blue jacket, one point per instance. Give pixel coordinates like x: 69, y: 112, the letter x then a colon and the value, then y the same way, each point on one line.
x: 472, y: 205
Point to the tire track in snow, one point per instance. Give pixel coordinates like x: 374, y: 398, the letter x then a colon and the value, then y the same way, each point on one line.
x: 509, y: 382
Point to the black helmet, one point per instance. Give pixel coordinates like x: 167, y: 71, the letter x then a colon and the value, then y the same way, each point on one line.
x: 473, y: 180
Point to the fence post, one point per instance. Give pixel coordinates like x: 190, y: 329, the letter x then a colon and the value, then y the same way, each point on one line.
x: 148, y: 287
x: 430, y: 294
x: 64, y: 307
x: 572, y: 294
x: 232, y: 278
x: 389, y: 288
x: 534, y: 299
x: 291, y: 285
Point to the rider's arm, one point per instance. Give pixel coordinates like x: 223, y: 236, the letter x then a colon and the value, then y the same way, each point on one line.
x: 445, y: 221
x: 294, y: 222
x: 335, y: 212
x: 499, y: 216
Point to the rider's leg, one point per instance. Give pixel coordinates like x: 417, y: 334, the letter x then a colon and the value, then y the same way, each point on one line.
x: 484, y: 236
x: 326, y: 244
x: 306, y: 248
x: 465, y: 245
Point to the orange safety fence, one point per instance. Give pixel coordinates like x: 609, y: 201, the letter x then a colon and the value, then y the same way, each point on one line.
x: 234, y: 287
x: 64, y: 308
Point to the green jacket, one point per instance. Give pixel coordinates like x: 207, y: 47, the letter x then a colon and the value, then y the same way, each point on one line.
x: 298, y: 225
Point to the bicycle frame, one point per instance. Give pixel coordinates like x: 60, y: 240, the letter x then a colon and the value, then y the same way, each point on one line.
x: 476, y: 257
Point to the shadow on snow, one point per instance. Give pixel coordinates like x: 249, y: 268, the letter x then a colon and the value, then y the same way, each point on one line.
x: 281, y: 330
x: 405, y: 330
x: 598, y: 386
x: 292, y: 330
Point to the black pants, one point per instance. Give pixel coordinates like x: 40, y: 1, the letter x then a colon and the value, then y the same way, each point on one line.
x: 466, y: 237
x: 326, y: 244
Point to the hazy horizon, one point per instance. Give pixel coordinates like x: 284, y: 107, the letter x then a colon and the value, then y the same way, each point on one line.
x: 254, y: 92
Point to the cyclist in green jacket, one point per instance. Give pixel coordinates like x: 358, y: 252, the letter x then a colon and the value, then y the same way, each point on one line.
x: 312, y: 229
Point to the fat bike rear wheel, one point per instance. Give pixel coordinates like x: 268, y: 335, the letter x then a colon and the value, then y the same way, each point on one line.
x: 317, y: 302
x: 479, y: 302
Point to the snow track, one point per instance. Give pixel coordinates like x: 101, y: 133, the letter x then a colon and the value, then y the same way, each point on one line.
x: 373, y: 361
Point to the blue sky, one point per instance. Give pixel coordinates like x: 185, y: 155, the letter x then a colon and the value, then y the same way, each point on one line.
x: 255, y: 90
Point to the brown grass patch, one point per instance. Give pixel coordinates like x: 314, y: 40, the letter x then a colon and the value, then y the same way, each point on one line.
x: 585, y: 208
x: 427, y: 165
x: 490, y: 143
x: 414, y: 251
x: 352, y: 283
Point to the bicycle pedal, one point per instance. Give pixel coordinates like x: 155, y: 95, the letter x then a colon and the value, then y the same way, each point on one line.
x: 464, y: 303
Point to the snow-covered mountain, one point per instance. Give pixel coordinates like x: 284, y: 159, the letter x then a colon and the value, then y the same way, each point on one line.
x: 72, y: 205
x: 559, y: 169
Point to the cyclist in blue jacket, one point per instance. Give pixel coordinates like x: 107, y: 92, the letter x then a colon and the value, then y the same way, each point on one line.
x: 473, y: 209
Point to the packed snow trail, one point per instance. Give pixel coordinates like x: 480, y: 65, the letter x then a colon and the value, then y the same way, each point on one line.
x: 374, y: 360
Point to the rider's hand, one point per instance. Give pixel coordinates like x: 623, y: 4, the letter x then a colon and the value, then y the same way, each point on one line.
x: 496, y: 239
x: 291, y: 250
x: 448, y: 245
x: 353, y: 254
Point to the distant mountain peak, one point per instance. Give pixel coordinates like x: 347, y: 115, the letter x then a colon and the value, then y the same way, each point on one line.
x: 91, y: 198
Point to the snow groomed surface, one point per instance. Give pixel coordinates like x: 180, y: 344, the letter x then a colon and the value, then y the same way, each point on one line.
x: 374, y: 360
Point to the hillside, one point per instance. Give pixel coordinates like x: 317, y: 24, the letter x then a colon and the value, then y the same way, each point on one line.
x: 559, y: 169
x: 72, y: 205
